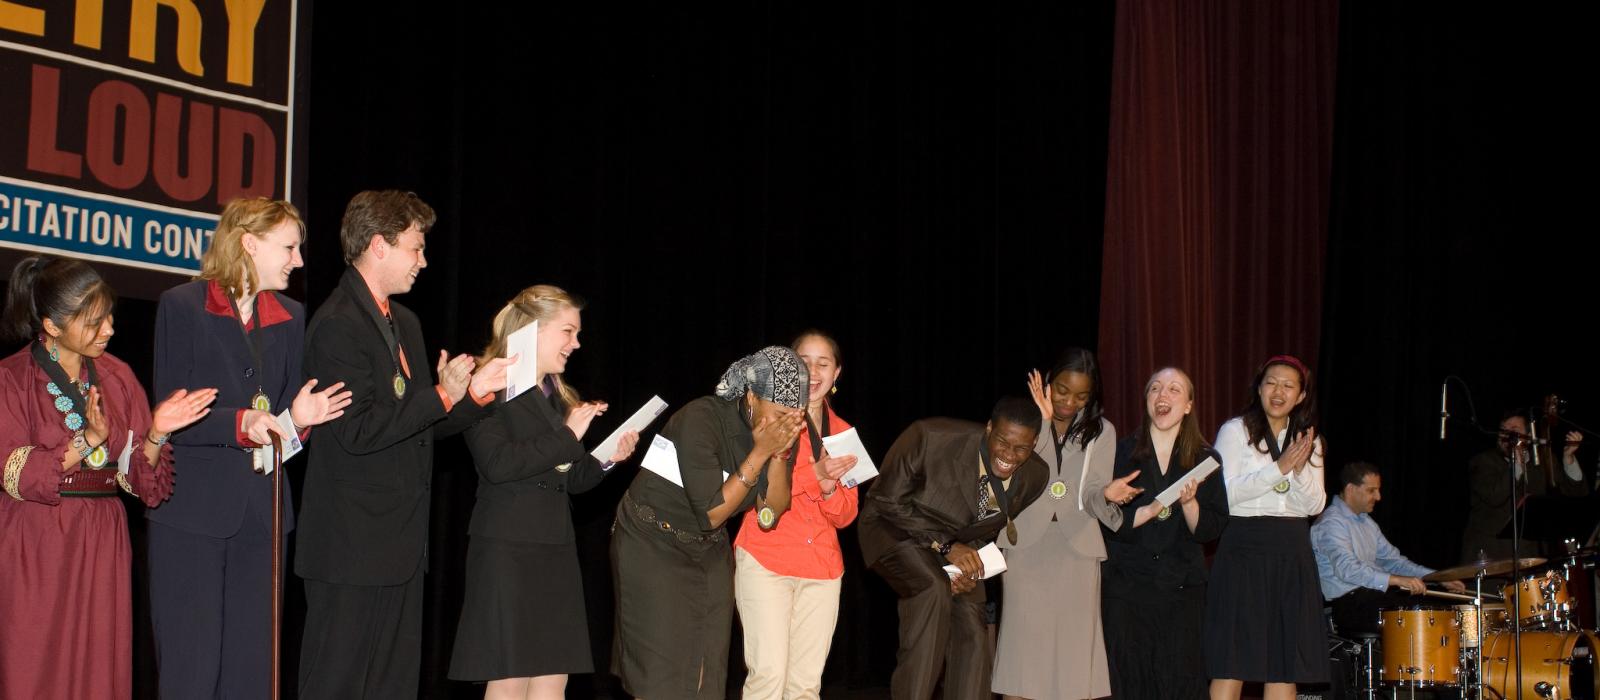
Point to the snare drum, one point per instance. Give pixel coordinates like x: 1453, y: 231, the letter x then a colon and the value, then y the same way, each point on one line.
x: 1421, y: 647
x: 1540, y: 600
x: 1468, y: 614
x: 1555, y: 665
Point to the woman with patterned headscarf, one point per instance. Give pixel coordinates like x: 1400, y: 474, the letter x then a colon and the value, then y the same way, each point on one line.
x: 669, y: 548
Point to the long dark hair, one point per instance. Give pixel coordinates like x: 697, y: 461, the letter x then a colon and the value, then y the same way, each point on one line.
x: 1191, y: 445
x: 59, y: 289
x: 1087, y: 426
x: 1302, y: 418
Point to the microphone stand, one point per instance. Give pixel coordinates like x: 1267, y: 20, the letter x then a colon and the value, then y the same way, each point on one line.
x: 1516, y: 562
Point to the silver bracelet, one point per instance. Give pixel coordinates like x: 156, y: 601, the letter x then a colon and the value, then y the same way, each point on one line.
x: 739, y: 474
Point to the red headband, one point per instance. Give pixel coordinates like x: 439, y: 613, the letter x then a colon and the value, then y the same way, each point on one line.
x: 1292, y: 361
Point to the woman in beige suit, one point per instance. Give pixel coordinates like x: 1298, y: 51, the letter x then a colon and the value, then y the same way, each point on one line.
x: 1051, y: 644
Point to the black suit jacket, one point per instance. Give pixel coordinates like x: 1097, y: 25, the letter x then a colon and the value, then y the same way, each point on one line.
x: 928, y: 488
x: 364, y: 511
x: 200, y: 345
x: 528, y: 462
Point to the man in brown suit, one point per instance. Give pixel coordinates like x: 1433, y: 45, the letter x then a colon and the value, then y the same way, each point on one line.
x: 947, y: 488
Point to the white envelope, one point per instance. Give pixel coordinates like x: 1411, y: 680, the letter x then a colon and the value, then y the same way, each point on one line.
x: 849, y: 443
x: 523, y: 374
x: 994, y: 563
x: 662, y: 458
x: 640, y: 420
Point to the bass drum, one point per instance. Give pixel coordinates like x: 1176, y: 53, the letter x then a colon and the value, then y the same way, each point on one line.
x: 1556, y: 665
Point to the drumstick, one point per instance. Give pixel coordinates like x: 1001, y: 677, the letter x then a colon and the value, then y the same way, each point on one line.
x: 1457, y: 596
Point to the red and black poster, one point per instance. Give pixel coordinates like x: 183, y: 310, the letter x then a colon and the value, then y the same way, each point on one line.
x: 126, y: 125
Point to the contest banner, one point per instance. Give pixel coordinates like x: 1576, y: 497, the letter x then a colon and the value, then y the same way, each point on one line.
x: 125, y: 126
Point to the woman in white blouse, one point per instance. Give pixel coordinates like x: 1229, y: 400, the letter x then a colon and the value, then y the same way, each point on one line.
x: 1263, y: 609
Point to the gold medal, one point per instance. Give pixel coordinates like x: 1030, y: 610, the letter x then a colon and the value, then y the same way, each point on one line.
x: 766, y: 518
x: 564, y: 468
x: 98, y: 457
x: 1058, y: 490
x: 260, y: 402
x: 1282, y: 486
x: 1165, y: 513
x: 399, y: 386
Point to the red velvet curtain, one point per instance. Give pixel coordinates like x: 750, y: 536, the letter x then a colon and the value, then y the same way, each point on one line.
x: 1217, y: 195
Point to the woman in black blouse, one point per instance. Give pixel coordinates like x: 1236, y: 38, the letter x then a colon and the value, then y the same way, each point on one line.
x: 1153, y: 591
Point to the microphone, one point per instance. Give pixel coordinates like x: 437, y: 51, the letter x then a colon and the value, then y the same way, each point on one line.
x: 1444, y: 404
x: 1533, y: 429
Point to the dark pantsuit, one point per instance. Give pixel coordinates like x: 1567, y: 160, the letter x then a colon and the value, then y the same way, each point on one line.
x: 936, y: 629
x: 362, y: 641
x: 191, y: 575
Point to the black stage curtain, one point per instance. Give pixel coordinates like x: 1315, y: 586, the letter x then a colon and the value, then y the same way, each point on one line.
x: 1455, y: 246
x: 926, y: 182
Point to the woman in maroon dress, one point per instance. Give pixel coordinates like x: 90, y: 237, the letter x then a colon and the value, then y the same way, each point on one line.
x: 75, y: 428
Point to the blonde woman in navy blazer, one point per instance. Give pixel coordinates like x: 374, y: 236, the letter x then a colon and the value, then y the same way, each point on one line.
x: 210, y: 544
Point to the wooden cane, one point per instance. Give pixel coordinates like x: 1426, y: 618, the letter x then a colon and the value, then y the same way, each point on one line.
x: 277, y: 560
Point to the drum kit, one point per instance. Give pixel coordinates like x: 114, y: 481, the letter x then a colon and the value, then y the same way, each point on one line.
x: 1526, y: 638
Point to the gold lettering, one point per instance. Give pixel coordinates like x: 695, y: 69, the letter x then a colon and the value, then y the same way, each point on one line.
x: 242, y: 18
x: 142, y: 33
x: 86, y: 23
x: 21, y: 18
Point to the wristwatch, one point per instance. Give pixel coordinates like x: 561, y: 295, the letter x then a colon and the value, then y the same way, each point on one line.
x: 941, y: 548
x: 81, y: 445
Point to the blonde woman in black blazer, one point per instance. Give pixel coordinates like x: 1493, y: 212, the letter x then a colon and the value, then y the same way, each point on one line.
x: 522, y: 624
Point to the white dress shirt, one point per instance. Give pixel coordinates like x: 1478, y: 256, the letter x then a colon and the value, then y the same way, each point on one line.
x: 1253, y: 480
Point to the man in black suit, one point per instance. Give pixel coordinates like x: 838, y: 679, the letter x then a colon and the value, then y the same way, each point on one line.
x: 947, y: 488
x: 364, y: 517
x: 1490, y: 490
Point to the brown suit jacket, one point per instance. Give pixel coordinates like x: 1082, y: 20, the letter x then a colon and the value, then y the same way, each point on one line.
x: 927, y: 490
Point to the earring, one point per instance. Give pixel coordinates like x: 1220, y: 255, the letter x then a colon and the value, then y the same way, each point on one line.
x: 55, y: 354
x: 834, y: 390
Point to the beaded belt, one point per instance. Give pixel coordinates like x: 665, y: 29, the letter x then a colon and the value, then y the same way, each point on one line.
x: 91, y: 483
x: 647, y: 515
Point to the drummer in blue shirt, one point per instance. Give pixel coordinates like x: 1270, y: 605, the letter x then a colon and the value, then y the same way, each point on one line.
x: 1356, y: 564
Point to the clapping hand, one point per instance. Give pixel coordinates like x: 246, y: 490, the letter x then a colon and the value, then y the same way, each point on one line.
x: 581, y: 415
x: 1295, y: 458
x: 318, y: 407
x: 454, y: 374
x: 181, y: 409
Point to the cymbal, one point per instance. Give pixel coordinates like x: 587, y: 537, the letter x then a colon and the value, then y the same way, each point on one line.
x: 1489, y: 567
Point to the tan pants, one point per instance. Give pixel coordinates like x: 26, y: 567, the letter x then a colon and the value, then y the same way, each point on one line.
x: 788, y: 627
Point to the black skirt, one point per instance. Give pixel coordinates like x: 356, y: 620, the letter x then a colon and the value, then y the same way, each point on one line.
x: 1153, y: 643
x: 1263, y: 617
x: 523, y: 613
